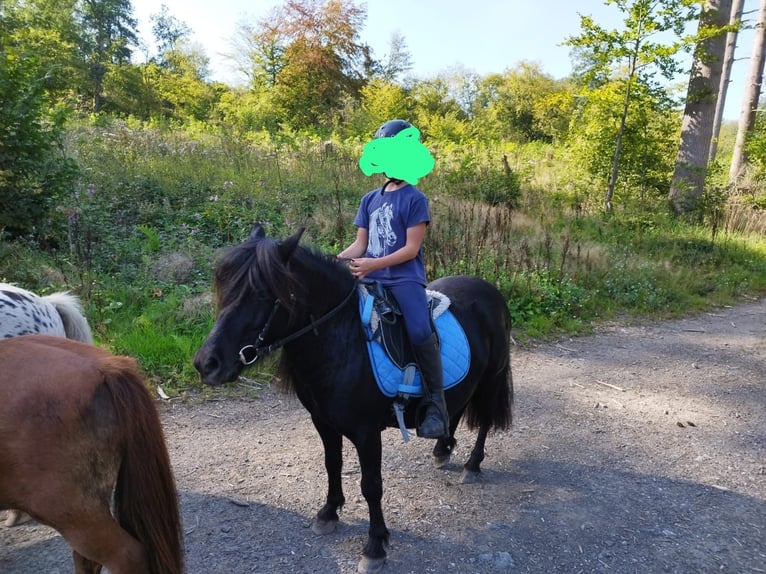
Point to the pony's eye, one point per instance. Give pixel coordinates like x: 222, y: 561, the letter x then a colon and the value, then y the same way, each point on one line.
x: 262, y: 296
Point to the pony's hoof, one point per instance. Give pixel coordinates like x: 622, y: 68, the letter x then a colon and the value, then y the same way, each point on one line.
x: 370, y: 565
x: 323, y: 527
x: 441, y: 461
x: 12, y: 518
x: 470, y: 477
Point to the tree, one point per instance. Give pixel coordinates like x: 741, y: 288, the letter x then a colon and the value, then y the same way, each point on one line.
x: 515, y: 105
x: 398, y: 60
x: 310, y: 51
x: 33, y: 170
x: 50, y: 31
x: 699, y: 112
x: 649, y: 141
x: 181, y: 83
x: 728, y: 60
x: 437, y: 113
x: 109, y: 30
x: 632, y: 55
x: 380, y: 101
x: 168, y: 32
x: 260, y: 52
x: 750, y: 96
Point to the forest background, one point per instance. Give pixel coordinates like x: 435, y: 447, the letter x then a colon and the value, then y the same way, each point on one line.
x: 122, y: 181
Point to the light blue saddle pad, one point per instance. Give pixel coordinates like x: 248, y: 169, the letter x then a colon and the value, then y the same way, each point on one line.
x: 455, y: 352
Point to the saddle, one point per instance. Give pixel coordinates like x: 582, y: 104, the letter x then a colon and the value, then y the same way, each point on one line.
x: 387, y: 324
x: 390, y: 351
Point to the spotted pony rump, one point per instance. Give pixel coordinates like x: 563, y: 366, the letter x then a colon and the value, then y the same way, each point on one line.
x: 25, y: 313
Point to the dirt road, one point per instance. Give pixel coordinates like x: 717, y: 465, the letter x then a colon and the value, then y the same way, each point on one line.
x: 640, y: 449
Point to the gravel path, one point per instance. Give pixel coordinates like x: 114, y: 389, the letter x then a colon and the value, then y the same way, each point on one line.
x: 640, y: 449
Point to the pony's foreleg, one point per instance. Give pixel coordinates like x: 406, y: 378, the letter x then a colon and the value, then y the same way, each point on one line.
x: 327, y: 517
x: 369, y: 449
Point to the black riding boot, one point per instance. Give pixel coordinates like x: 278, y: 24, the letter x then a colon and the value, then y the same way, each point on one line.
x: 435, y: 423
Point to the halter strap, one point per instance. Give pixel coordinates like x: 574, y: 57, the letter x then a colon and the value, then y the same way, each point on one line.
x: 262, y: 351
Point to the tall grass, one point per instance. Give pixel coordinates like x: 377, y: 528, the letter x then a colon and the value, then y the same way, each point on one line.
x: 139, y: 237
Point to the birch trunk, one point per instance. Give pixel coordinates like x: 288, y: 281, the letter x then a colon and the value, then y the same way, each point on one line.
x: 750, y: 97
x: 688, y: 180
x: 728, y: 60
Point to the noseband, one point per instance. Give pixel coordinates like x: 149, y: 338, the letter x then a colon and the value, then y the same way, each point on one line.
x: 259, y: 350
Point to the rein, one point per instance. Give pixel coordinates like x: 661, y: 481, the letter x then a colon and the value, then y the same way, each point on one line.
x: 262, y: 351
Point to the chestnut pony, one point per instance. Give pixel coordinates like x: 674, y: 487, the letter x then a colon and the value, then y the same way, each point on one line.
x: 274, y: 294
x: 80, y: 434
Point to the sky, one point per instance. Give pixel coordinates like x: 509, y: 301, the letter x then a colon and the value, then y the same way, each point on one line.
x: 483, y: 36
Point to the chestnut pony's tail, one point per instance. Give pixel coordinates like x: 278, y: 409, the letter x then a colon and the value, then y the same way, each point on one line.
x: 145, y: 497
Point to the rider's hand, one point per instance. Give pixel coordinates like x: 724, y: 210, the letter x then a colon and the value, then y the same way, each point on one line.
x: 361, y: 267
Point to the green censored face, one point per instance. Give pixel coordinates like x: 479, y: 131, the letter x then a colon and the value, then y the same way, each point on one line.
x: 399, y: 157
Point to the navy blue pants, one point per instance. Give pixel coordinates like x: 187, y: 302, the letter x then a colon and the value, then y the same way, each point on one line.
x: 413, y: 303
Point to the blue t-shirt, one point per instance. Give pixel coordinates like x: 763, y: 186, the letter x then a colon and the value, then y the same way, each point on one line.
x: 386, y: 217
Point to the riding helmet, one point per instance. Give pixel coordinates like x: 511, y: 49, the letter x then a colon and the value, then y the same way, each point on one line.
x: 391, y: 128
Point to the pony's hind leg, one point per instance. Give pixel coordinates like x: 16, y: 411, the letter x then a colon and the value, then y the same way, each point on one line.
x: 84, y: 566
x: 99, y: 541
x: 472, y: 467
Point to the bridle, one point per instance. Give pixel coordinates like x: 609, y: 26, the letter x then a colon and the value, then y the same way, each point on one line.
x: 260, y: 350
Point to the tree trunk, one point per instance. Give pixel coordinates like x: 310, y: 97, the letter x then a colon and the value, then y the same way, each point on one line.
x: 728, y: 60
x: 618, y: 146
x: 750, y: 97
x: 688, y: 180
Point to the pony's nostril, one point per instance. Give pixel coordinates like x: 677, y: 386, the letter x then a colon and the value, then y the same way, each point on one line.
x: 205, y: 363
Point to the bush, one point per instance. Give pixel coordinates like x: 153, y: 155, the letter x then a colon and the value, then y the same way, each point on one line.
x: 33, y: 169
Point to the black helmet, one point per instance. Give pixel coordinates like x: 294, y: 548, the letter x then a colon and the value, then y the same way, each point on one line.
x: 391, y: 128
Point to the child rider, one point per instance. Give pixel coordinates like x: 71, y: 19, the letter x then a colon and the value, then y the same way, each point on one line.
x: 391, y: 224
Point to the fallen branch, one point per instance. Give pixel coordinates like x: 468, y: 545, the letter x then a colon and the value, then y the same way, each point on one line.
x: 611, y: 386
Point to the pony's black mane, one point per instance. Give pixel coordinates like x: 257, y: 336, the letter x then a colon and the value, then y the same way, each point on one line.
x: 256, y: 268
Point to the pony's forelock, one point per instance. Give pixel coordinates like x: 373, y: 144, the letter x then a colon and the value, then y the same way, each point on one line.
x: 253, y: 267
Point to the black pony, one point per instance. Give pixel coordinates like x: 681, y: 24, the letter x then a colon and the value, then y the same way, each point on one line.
x: 274, y: 294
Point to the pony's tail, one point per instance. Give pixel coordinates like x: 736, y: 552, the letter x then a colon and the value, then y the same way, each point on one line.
x: 492, y: 403
x: 70, y: 309
x: 145, y: 497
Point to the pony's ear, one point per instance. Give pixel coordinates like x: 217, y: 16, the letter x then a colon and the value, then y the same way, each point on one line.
x: 287, y: 247
x: 258, y: 232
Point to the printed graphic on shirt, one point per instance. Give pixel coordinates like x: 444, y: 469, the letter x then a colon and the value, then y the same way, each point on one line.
x: 381, y: 234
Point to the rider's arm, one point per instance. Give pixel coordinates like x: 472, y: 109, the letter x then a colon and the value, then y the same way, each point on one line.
x: 361, y: 267
x: 358, y: 248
